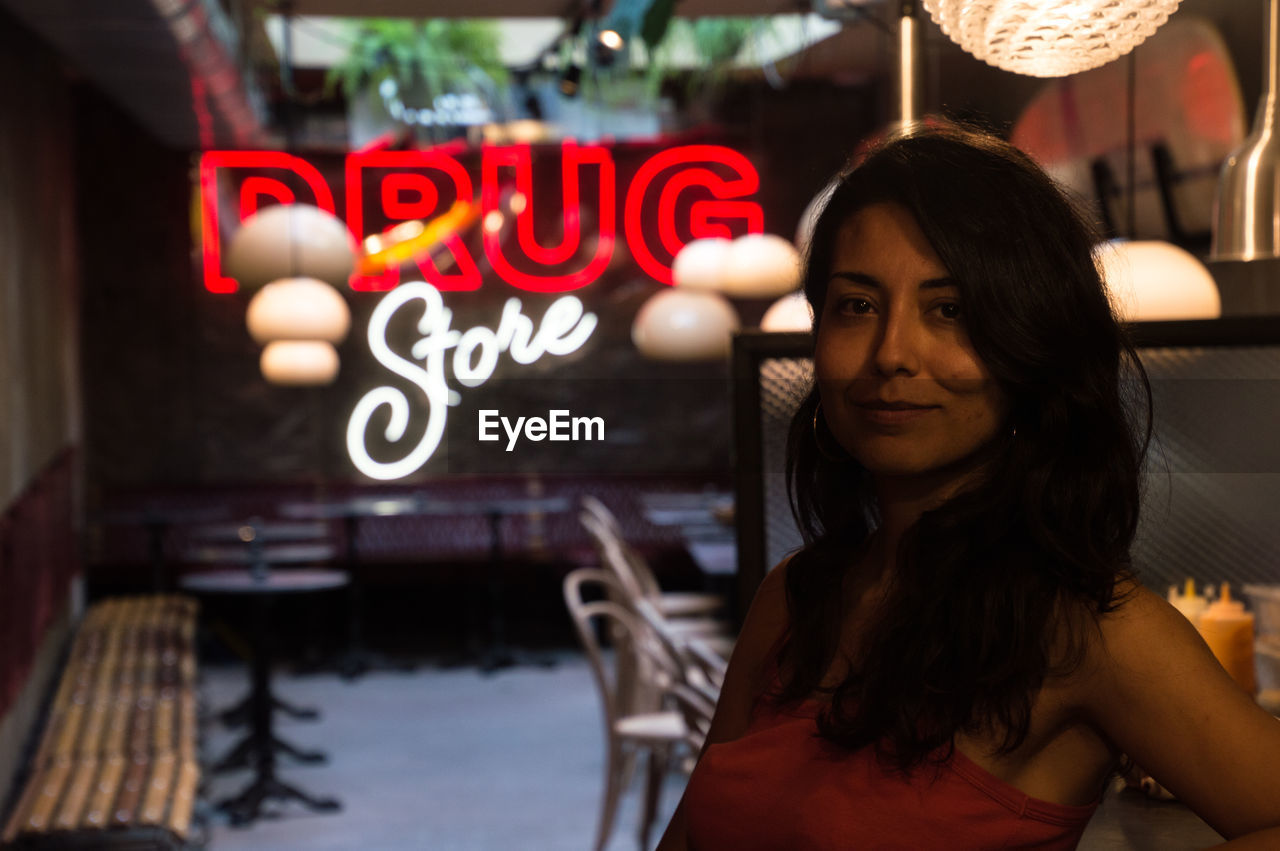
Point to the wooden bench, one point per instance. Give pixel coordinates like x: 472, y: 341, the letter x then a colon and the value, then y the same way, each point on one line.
x: 116, y: 765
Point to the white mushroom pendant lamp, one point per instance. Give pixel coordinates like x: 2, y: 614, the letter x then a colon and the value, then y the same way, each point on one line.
x: 792, y: 312
x: 1049, y: 38
x: 761, y: 265
x: 298, y: 309
x: 690, y: 321
x: 693, y: 320
x: 1150, y: 280
x: 299, y: 320
x: 299, y: 363
x: 758, y: 265
x: 701, y: 264
x: 291, y: 240
x: 679, y: 324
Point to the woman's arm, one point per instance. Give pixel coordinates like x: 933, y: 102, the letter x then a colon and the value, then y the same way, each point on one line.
x: 1156, y: 691
x: 743, y: 680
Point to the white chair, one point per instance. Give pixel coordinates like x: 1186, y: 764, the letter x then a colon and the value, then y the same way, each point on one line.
x: 631, y: 730
x: 672, y: 604
x: 701, y: 667
x: 714, y: 633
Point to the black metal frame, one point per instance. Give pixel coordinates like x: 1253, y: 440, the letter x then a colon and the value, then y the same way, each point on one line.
x: 750, y: 348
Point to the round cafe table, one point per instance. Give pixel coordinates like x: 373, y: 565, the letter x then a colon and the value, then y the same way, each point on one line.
x: 260, y: 588
x: 357, y: 659
x: 490, y: 652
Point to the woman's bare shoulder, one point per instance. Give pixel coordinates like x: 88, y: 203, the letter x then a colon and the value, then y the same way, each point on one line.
x: 1155, y: 690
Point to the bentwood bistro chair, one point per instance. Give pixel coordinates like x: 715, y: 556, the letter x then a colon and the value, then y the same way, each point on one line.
x: 636, y: 574
x: 686, y: 613
x: 634, y: 725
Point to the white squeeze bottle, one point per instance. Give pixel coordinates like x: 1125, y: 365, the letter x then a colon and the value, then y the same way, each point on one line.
x: 1189, y: 602
x: 1228, y: 630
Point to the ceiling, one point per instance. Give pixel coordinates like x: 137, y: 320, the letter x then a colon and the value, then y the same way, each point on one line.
x: 178, y: 66
x: 529, y: 8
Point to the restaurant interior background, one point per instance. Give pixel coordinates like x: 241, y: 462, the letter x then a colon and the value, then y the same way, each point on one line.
x: 135, y: 411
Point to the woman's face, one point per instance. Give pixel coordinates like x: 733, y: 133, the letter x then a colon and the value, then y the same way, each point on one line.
x: 891, y: 334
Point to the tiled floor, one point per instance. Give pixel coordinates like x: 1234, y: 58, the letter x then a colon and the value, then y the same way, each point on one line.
x: 436, y: 759
x: 452, y: 760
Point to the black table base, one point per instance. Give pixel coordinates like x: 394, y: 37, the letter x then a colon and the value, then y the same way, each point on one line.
x: 238, y: 715
x: 244, y: 754
x: 246, y: 807
x: 259, y: 748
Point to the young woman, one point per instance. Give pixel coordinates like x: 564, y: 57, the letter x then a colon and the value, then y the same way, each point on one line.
x: 960, y: 655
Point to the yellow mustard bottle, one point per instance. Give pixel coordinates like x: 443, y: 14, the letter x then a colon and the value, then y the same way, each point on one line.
x: 1191, y: 604
x: 1228, y: 630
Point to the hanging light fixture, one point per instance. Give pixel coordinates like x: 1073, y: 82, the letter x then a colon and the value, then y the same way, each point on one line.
x: 1246, y: 210
x: 701, y: 263
x: 1049, y: 38
x: 294, y: 252
x: 290, y: 240
x: 299, y: 363
x: 908, y: 65
x: 761, y: 265
x: 298, y: 309
x: 679, y: 324
x: 1151, y: 280
x: 792, y: 312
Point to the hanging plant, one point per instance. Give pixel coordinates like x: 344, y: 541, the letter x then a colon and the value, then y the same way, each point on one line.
x: 718, y: 43
x: 442, y: 55
x: 654, y: 40
x: 720, y: 40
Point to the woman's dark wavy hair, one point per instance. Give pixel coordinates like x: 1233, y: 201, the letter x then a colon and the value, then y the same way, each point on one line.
x: 988, y: 583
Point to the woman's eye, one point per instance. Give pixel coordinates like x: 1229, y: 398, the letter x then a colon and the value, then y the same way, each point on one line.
x: 950, y: 310
x: 853, y: 305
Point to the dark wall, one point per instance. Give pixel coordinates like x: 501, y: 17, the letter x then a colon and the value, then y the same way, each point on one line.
x: 39, y: 412
x: 38, y: 405
x: 805, y: 132
x: 139, y: 307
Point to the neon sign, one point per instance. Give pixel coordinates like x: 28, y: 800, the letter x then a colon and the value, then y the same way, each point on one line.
x: 417, y: 185
x: 565, y: 327
x: 573, y: 159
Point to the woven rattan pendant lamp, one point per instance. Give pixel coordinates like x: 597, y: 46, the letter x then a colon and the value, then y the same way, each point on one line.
x: 1049, y: 38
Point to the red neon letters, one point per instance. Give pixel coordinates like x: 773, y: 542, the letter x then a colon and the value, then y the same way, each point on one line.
x: 415, y: 175
x: 667, y: 197
x: 574, y: 158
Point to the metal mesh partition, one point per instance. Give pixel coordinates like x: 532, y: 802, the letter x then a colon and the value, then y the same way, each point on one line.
x: 1211, y: 509
x: 1211, y: 505
x: 783, y: 385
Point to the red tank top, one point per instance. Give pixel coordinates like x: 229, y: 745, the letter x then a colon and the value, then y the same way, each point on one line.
x: 781, y: 787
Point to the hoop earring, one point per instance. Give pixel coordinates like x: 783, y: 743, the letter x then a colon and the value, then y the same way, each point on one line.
x: 817, y: 439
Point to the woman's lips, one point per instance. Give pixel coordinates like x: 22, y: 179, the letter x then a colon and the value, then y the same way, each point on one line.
x: 891, y: 416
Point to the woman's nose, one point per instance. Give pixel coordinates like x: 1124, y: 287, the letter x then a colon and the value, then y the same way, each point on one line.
x: 897, y: 344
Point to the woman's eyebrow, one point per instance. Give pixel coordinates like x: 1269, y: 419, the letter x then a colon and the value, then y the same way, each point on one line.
x: 872, y: 281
